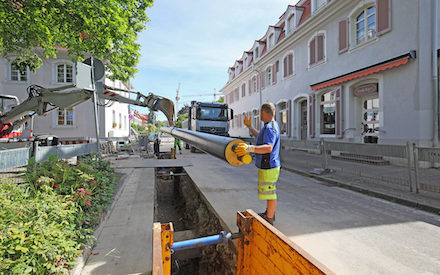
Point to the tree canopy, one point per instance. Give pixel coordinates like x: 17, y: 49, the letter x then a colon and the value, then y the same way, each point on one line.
x: 105, y: 29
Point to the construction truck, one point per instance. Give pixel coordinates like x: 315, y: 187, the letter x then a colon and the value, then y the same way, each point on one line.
x: 208, y: 117
x: 41, y: 100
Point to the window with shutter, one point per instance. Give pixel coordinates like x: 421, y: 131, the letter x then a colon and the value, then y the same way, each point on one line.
x: 343, y: 36
x: 317, y: 49
x: 250, y: 88
x: 320, y: 47
x: 365, y: 24
x: 312, y: 52
x: 383, y: 16
x: 243, y: 90
x: 290, y: 62
x: 274, y: 74
x: 285, y: 66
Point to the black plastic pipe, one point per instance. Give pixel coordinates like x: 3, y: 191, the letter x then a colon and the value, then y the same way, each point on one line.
x: 218, y: 146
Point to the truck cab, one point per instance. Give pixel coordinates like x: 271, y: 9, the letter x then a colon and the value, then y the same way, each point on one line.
x: 208, y: 117
x: 211, y: 118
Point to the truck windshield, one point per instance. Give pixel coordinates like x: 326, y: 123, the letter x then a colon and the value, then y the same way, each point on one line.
x: 212, y: 113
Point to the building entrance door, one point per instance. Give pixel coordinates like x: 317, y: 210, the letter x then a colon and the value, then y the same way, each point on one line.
x: 304, y: 120
x: 370, y: 118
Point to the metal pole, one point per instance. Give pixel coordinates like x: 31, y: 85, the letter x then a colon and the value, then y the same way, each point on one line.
x: 416, y: 166
x: 408, y: 152
x: 434, y: 38
x: 95, y: 109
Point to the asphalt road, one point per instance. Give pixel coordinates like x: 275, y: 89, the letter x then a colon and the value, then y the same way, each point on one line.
x: 349, y: 232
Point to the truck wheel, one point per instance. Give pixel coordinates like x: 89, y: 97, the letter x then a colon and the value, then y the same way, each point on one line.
x: 193, y: 149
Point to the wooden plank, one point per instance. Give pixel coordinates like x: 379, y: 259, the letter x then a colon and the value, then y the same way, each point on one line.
x: 157, y: 250
x: 167, y: 242
x: 270, y: 248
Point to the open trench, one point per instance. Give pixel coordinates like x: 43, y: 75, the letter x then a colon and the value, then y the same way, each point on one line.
x: 178, y: 200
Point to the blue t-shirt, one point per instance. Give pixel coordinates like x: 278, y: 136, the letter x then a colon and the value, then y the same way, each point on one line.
x: 270, y: 134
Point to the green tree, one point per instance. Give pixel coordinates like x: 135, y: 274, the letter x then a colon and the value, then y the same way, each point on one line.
x: 105, y: 29
x: 221, y: 99
x: 180, y: 119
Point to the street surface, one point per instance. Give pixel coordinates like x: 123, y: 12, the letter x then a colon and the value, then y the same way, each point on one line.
x: 349, y: 232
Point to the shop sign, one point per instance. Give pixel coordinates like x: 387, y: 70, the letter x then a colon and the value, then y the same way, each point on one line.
x: 366, y: 89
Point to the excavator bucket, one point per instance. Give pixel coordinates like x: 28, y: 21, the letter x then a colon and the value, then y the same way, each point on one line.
x: 166, y: 106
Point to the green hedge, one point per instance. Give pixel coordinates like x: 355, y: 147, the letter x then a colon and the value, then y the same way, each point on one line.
x: 45, y: 222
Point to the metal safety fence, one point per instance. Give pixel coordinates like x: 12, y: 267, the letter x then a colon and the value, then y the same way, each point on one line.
x: 13, y: 161
x: 403, y: 167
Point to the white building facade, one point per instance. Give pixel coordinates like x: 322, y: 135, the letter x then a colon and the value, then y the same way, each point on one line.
x: 78, y: 121
x: 361, y: 71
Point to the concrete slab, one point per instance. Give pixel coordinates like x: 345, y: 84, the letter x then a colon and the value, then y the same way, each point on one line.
x: 349, y: 232
x: 149, y: 163
x: 124, y: 241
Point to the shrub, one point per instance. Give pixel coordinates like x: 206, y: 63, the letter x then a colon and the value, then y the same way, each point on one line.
x: 45, y: 221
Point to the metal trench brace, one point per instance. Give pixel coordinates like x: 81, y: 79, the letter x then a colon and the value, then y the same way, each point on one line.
x: 262, y: 249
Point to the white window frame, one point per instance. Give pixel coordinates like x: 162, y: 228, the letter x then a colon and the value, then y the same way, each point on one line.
x: 352, y: 25
x: 320, y: 103
x: 55, y: 71
x: 254, y: 83
x: 279, y: 113
x: 355, y: 22
x: 255, y: 118
x: 324, y: 60
x: 268, y: 76
x: 55, y: 119
x: 8, y: 75
x: 243, y: 89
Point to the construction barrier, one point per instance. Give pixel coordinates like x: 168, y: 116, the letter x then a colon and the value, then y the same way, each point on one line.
x: 402, y: 167
x: 262, y: 249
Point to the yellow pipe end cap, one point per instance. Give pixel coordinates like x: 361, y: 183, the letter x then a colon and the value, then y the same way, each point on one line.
x: 246, y: 159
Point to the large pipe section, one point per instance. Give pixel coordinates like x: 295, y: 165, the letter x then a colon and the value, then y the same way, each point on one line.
x: 218, y: 146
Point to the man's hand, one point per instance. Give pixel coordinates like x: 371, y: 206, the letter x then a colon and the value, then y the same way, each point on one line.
x: 243, y: 148
x: 247, y: 121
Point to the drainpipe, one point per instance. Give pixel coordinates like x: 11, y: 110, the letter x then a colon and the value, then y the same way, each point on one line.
x: 435, y: 72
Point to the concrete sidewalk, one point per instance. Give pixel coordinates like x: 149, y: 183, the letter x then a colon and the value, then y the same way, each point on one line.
x: 390, y: 182
x: 347, y: 231
x: 124, y: 239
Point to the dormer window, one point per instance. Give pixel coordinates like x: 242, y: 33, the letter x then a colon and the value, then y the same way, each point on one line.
x: 271, y: 42
x: 245, y: 63
x: 291, y: 23
x: 256, y: 53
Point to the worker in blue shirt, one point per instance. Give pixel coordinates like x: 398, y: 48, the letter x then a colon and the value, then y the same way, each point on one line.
x: 267, y: 157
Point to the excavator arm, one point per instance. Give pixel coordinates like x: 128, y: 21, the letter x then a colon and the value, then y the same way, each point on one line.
x: 43, y: 100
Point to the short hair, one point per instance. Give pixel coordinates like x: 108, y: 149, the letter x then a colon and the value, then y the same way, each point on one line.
x: 269, y: 108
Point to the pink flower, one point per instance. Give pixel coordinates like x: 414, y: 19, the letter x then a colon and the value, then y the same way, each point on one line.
x: 88, y: 203
x: 56, y: 185
x: 81, y: 190
x: 68, y: 203
x: 93, y: 181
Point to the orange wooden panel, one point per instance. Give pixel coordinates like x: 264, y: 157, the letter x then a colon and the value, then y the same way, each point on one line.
x: 167, y: 242
x: 157, y: 250
x: 266, y: 250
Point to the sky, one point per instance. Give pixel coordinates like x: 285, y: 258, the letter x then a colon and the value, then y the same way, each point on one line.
x: 195, y: 42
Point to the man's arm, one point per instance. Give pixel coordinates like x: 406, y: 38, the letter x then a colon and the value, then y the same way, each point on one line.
x: 263, y: 149
x: 253, y: 131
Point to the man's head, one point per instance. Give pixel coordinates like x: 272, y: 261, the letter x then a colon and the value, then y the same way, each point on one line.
x: 267, y: 112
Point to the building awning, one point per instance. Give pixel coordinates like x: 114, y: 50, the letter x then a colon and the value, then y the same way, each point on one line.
x: 382, y: 66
